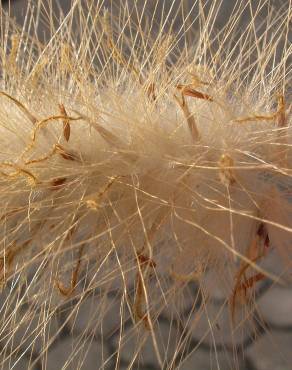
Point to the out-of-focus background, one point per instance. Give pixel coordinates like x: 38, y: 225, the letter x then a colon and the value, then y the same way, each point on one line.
x: 270, y: 347
x: 17, y: 8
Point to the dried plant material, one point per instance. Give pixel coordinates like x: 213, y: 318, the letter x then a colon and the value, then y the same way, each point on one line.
x: 189, y: 118
x: 159, y: 220
x: 68, y: 291
x: 43, y: 158
x: 162, y: 49
x: 35, y: 77
x: 187, y: 90
x: 20, y: 106
x: 144, y: 263
x: 186, y: 278
x: 11, y: 63
x: 30, y: 177
x: 66, y: 154
x: 158, y: 204
x: 109, y: 137
x: 66, y: 58
x: 281, y: 114
x: 196, y: 80
x: 5, y: 264
x: 256, y: 251
x: 41, y: 124
x: 66, y: 122
x: 226, y: 172
x: 57, y: 149
x: 241, y: 289
x: 92, y: 204
x: 270, y: 117
x: 262, y: 234
x: 113, y: 48
x: 15, y: 41
x: 57, y: 183
x: 7, y: 215
x: 150, y: 91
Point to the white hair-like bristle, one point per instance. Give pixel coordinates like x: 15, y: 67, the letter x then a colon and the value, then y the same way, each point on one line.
x: 139, y: 157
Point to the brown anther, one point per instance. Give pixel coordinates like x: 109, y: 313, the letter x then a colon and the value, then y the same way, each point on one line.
x: 146, y: 260
x: 66, y: 122
x: 68, y: 155
x: 58, y: 183
x: 188, y: 91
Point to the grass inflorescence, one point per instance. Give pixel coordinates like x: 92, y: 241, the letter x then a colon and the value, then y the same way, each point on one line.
x: 142, y: 154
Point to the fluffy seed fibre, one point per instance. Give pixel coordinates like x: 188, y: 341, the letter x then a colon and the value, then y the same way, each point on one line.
x: 139, y: 159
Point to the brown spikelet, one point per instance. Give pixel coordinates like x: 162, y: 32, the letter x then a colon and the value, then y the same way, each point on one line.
x: 58, y: 183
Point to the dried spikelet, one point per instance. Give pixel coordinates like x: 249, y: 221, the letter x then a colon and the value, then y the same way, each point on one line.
x: 145, y: 163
